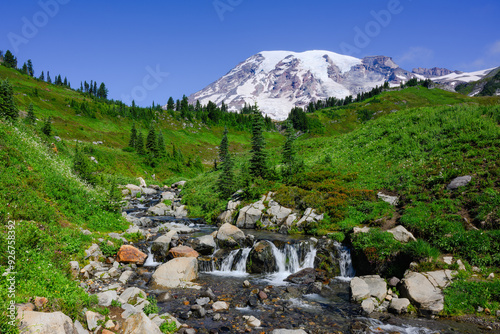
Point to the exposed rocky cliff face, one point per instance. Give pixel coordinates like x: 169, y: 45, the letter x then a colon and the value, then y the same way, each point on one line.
x: 432, y: 72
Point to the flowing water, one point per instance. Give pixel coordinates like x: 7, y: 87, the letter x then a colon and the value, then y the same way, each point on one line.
x: 287, y: 305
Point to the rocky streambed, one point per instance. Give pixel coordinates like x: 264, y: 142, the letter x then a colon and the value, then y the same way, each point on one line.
x: 209, y: 279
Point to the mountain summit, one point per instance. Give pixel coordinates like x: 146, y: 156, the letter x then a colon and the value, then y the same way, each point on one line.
x: 280, y: 80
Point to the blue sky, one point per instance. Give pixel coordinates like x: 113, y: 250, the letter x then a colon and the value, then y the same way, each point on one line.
x: 151, y: 50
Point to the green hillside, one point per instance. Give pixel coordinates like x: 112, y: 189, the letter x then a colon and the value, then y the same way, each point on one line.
x: 410, y: 143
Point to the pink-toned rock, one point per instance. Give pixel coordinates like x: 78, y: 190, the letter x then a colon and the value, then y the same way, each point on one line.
x: 183, y: 251
x: 130, y: 254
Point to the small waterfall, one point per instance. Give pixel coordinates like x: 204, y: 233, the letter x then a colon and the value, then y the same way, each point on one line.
x: 150, y: 261
x: 345, y: 262
x: 235, y: 262
x: 288, y: 259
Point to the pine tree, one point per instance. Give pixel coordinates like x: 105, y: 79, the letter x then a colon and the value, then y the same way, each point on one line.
x: 170, y: 103
x: 223, y: 147
x: 160, y: 146
x: 31, y: 118
x: 49, y: 80
x: 82, y: 166
x: 258, y: 161
x: 24, y: 69
x: 65, y: 82
x: 47, y: 127
x: 139, y: 145
x: 133, y: 137
x: 7, y: 107
x: 9, y: 60
x: 151, y: 141
x: 185, y: 108
x: 31, y: 72
x: 41, y: 77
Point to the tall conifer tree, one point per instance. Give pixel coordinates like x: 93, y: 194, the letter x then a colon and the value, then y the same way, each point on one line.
x: 258, y: 161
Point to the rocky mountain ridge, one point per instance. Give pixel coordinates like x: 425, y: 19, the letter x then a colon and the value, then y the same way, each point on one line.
x: 280, y: 80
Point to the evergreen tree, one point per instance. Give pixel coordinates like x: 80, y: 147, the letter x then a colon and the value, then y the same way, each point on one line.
x: 31, y: 118
x: 133, y: 137
x: 65, y: 82
x: 95, y: 88
x: 258, y: 161
x: 102, y: 92
x: 47, y: 127
x: 82, y: 166
x: 7, y: 107
x: 9, y: 60
x: 223, y: 147
x: 31, y: 72
x: 185, y: 108
x: 151, y: 141
x: 81, y: 86
x: 170, y: 103
x: 41, y: 77
x: 139, y: 145
x: 49, y: 80
x: 24, y: 69
x: 161, y: 145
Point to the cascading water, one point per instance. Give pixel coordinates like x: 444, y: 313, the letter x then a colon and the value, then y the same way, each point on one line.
x: 234, y: 264
x: 347, y: 271
x: 150, y: 261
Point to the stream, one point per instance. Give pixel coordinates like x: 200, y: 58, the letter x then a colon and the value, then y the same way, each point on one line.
x: 323, y: 308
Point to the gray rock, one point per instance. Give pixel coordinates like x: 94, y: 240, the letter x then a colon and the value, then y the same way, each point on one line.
x: 32, y: 322
x: 131, y: 294
x: 220, y: 306
x: 179, y: 184
x: 75, y: 268
x: 261, y: 258
x: 125, y: 276
x: 399, y: 305
x: 139, y: 323
x: 394, y: 281
x: 252, y: 321
x: 92, y: 319
x: 368, y: 306
x: 176, y: 273
x: 204, y: 245
x: 230, y: 235
x: 105, y: 298
x: 128, y: 310
x: 181, y: 212
x: 459, y: 182
x: 420, y: 291
x: 401, y: 234
x: 250, y: 215
x: 288, y: 331
x: 93, y: 251
x: 203, y: 301
x: 376, y: 285
x: 161, y: 245
x: 359, y: 289
x: 79, y: 328
x: 198, y: 311
x: 159, y: 209
x: 392, y: 200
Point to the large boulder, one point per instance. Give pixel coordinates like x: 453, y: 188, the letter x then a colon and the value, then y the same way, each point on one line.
x: 181, y: 212
x: 421, y: 292
x: 182, y: 251
x: 45, y: 323
x: 204, y: 245
x: 261, y: 259
x: 161, y: 245
x: 401, y: 234
x: 168, y: 195
x: 178, y: 272
x: 139, y: 323
x: 277, y: 214
x: 368, y: 286
x: 304, y: 276
x: 230, y: 236
x: 250, y: 215
x: 309, y: 217
x: 130, y: 254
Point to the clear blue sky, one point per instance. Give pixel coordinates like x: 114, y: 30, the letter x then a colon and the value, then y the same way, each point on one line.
x: 196, y: 42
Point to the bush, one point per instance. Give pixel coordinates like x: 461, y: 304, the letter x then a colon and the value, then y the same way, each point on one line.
x: 152, y: 308
x: 464, y: 297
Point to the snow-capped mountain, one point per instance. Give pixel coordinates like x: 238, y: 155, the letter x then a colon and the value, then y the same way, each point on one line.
x: 281, y: 80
